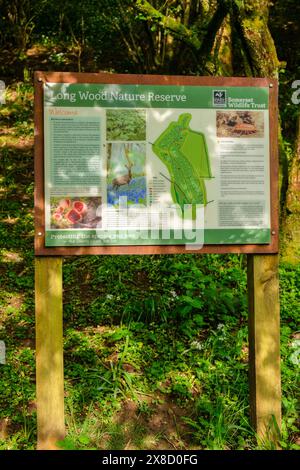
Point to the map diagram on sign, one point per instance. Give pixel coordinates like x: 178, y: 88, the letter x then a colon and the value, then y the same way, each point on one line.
x: 185, y: 154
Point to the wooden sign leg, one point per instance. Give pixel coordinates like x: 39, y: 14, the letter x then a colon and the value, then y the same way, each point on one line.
x: 264, y: 346
x: 49, y: 352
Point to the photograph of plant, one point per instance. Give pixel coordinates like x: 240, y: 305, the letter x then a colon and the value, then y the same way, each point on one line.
x: 126, y: 172
x: 240, y: 124
x: 75, y: 212
x: 125, y: 124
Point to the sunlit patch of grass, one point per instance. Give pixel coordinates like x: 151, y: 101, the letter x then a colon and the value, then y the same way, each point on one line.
x: 7, y: 256
x: 10, y: 220
x: 14, y: 142
x: 17, y: 115
x: 11, y: 301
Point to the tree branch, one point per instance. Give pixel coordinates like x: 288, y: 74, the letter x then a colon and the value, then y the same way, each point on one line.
x: 212, y: 28
x: 168, y: 23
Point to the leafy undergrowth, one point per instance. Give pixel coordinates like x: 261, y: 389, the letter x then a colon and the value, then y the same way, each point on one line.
x: 155, y: 347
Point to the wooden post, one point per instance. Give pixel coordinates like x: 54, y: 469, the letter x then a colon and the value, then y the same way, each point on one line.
x: 264, y: 346
x: 49, y: 352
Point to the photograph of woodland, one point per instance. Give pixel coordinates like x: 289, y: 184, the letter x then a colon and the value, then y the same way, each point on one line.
x: 156, y: 349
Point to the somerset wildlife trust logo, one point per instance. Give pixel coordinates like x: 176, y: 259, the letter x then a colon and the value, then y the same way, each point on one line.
x: 219, y: 98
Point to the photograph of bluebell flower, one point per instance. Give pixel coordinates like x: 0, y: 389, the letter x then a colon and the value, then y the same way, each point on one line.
x: 126, y: 172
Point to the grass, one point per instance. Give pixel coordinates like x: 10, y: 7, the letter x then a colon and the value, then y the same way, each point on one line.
x: 155, y: 347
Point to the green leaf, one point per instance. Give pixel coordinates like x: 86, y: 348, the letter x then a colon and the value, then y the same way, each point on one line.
x: 196, y: 303
x: 198, y: 319
x: 118, y: 335
x: 67, y: 444
x: 186, y: 309
x: 84, y: 440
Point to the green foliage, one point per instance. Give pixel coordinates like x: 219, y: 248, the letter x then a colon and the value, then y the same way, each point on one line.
x: 17, y: 111
x: 289, y: 295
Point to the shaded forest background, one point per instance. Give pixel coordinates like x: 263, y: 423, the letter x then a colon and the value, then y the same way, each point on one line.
x: 130, y: 321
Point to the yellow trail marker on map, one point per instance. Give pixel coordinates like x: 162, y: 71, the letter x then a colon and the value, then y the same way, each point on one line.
x: 185, y: 154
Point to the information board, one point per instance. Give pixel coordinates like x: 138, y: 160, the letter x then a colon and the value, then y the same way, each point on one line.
x: 154, y: 164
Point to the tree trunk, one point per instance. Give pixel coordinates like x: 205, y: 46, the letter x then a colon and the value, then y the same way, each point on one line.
x: 291, y: 233
x: 251, y: 21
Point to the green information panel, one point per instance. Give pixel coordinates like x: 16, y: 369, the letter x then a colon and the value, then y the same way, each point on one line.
x: 145, y: 164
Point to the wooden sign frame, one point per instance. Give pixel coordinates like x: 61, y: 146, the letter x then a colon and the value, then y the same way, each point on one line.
x: 262, y: 271
x: 106, y: 78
